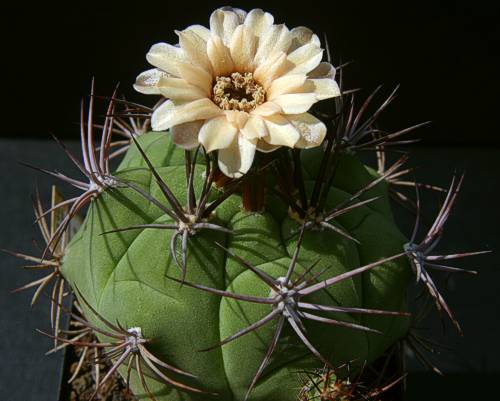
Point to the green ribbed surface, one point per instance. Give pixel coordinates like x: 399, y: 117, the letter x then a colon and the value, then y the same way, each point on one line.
x: 123, y: 275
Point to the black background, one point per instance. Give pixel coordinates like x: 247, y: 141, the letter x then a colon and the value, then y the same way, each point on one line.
x: 444, y: 55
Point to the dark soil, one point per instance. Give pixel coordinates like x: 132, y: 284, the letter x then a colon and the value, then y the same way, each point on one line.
x: 83, y: 386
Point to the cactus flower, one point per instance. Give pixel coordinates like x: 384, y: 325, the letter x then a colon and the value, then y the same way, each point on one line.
x: 243, y: 85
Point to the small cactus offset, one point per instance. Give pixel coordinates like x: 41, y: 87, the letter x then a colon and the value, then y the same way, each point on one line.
x: 233, y: 244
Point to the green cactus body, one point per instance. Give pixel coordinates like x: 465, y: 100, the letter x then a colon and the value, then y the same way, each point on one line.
x: 124, y: 277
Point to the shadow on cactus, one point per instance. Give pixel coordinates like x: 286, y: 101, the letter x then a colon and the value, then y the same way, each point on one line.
x: 242, y: 242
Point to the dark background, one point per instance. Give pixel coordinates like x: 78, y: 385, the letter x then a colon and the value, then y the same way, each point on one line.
x: 445, y: 55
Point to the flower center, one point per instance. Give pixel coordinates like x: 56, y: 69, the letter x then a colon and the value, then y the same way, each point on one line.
x: 238, y: 92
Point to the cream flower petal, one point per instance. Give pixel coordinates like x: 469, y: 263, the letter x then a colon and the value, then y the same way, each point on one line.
x: 266, y: 109
x: 272, y: 68
x: 161, y: 114
x: 169, y: 114
x: 301, y: 36
x: 274, y: 40
x: 280, y: 131
x: 237, y: 118
x: 243, y: 45
x: 325, y: 88
x: 264, y: 147
x: 262, y: 69
x: 254, y: 128
x: 224, y: 21
x: 200, y: 30
x: 258, y: 21
x: 312, y: 131
x: 220, y: 56
x: 295, y: 103
x: 217, y: 133
x: 285, y: 84
x: 186, y: 135
x: 195, y: 49
x: 147, y: 81
x: 323, y: 70
x: 196, y: 76
x: 237, y: 159
x: 179, y: 89
x: 305, y: 59
x: 242, y: 14
x: 166, y: 57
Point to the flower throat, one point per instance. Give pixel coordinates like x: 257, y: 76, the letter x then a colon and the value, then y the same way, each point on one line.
x: 238, y: 92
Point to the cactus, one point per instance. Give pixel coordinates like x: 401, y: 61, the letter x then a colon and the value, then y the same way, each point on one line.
x: 224, y: 265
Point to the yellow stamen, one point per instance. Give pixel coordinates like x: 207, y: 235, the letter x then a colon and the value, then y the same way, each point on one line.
x: 238, y: 92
